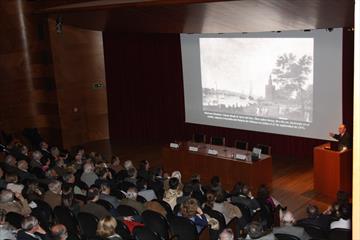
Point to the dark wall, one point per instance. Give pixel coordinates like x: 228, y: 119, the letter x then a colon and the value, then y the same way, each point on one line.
x: 146, y: 103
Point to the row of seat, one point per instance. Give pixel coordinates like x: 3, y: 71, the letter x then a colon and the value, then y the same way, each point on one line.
x: 239, y: 144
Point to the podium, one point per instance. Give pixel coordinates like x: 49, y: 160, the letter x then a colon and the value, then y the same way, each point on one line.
x: 332, y: 170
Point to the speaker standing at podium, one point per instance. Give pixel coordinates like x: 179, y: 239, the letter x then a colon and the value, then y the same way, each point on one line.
x: 343, y: 137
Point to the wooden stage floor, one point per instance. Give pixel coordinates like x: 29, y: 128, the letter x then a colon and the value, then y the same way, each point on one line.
x: 292, y: 183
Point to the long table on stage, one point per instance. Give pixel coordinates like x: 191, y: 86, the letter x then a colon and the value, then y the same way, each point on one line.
x: 224, y: 165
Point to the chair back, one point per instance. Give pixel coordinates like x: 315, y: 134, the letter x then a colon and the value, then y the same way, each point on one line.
x: 125, y: 210
x: 314, y: 231
x: 245, y: 211
x: 66, y: 217
x: 105, y: 204
x: 340, y: 233
x: 265, y: 149
x: 123, y: 230
x: 141, y: 199
x: 218, y: 216
x: 220, y: 141
x: 156, y: 223
x: 44, y: 213
x: 235, y: 227
x: 241, y: 145
x: 167, y: 207
x: 199, y: 138
x: 144, y: 233
x: 284, y: 236
x: 183, y: 228
x: 88, y: 224
x: 14, y: 219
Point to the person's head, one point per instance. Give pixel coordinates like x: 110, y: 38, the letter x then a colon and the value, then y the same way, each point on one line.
x: 23, y: 165
x: 286, y: 218
x: 24, y: 150
x: 210, y: 198
x: 215, y: 182
x: 128, y: 164
x: 141, y: 184
x: 245, y: 189
x: 93, y: 194
x: 255, y: 230
x: 44, y: 145
x: 176, y: 174
x: 227, y: 234
x: 220, y: 197
x: 59, y: 232
x: 187, y: 190
x: 36, y: 155
x: 189, y: 208
x: 132, y: 173
x: 263, y: 193
x: 115, y: 161
x: 45, y: 161
x: 69, y: 178
x: 237, y: 189
x: 55, y: 186
x: 342, y: 128
x: 106, y: 227
x: 55, y: 151
x: 312, y: 210
x: 6, y: 196
x: 131, y: 193
x: 173, y: 183
x: 10, y: 160
x: 144, y: 165
x: 11, y: 177
x: 30, y: 224
x: 88, y: 167
x: 345, y: 212
x: 105, y: 188
x: 342, y: 197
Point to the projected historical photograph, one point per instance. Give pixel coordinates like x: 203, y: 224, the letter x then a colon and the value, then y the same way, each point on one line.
x: 263, y: 77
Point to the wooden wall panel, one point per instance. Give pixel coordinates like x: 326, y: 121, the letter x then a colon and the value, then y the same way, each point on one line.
x: 78, y: 60
x: 27, y: 92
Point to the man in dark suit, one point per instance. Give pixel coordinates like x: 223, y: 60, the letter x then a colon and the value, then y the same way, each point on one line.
x: 343, y: 137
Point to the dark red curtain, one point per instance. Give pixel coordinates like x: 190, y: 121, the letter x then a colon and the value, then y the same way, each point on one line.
x: 146, y: 102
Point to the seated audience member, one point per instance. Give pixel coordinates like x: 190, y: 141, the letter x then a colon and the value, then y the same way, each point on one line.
x: 255, y: 231
x: 105, y: 195
x: 31, y: 230
x: 197, y: 190
x: 35, y: 159
x: 342, y: 198
x: 89, y: 176
x: 216, y: 186
x: 216, y: 201
x: 92, y: 207
x: 287, y: 220
x: 116, y: 165
x: 22, y: 172
x: 315, y: 218
x: 32, y: 191
x: 246, y: 198
x: 191, y: 210
x: 9, y: 204
x: 173, y: 192
x: 343, y: 218
x: 59, y: 232
x: 226, y: 234
x: 157, y: 183
x: 55, y: 153
x: 106, y: 229
x: 67, y: 199
x: 144, y: 170
x: 104, y: 174
x: 12, y: 183
x: 187, y: 194
x: 44, y: 149
x: 53, y: 195
x: 2, y: 181
x: 130, y: 200
x: 144, y: 191
x: 6, y: 230
x: 131, y: 176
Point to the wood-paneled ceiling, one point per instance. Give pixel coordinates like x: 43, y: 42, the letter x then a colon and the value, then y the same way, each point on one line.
x: 201, y: 16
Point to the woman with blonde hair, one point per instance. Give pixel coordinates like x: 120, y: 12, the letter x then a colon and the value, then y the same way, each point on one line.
x: 106, y: 228
x: 191, y: 210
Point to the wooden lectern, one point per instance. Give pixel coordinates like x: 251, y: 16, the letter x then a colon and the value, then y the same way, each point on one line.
x: 332, y: 170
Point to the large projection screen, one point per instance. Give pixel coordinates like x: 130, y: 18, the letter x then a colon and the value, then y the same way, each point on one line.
x: 286, y: 83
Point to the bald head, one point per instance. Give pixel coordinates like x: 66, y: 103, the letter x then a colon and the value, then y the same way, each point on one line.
x: 342, y: 129
x: 59, y: 232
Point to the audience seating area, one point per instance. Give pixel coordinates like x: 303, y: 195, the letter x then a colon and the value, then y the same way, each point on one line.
x: 52, y: 193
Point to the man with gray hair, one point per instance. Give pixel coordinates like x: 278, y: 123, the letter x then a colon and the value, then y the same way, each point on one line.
x: 89, y: 176
x: 20, y: 205
x: 227, y: 234
x: 31, y: 230
x: 59, y: 232
x: 53, y: 195
x: 35, y: 159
